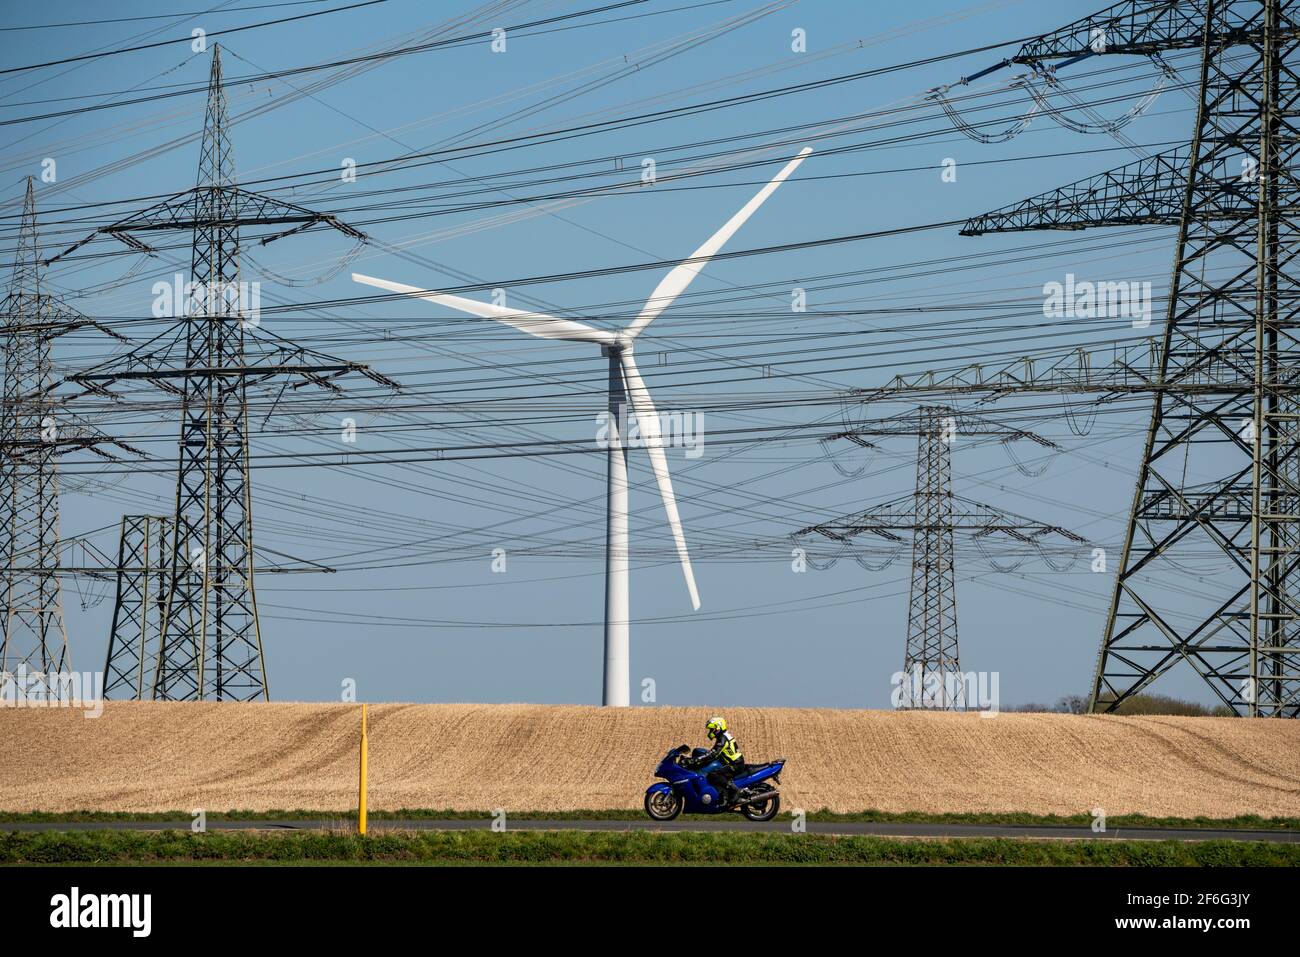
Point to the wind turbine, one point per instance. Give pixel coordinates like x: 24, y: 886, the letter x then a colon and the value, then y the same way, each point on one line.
x: 625, y: 387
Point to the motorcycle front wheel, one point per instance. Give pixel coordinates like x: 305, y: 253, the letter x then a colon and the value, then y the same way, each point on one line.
x: 762, y: 810
x: 663, y: 805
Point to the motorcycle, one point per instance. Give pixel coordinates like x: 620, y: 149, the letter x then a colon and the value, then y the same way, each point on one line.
x: 688, y: 788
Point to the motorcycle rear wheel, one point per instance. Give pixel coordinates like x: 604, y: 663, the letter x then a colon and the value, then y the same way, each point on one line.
x: 663, y: 805
x: 762, y: 810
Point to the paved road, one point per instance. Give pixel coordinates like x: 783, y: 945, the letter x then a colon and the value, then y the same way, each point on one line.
x: 889, y: 829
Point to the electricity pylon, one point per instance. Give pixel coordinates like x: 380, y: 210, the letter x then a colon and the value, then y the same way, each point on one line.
x: 141, y: 568
x: 34, y: 633
x: 35, y: 431
x: 1220, y: 458
x: 210, y: 642
x: 131, y: 670
x: 932, y: 517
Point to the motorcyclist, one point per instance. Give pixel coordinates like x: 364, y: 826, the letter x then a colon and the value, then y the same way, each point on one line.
x: 726, y: 749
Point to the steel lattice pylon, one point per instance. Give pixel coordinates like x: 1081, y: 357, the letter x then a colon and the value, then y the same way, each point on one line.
x: 1219, y: 465
x: 210, y: 643
x: 131, y: 670
x: 1233, y: 300
x: 933, y: 514
x: 932, y: 601
x: 34, y: 637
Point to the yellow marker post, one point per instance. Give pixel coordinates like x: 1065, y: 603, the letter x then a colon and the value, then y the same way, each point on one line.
x: 361, y: 818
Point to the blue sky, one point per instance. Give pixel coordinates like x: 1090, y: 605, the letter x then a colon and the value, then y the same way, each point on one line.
x: 434, y: 622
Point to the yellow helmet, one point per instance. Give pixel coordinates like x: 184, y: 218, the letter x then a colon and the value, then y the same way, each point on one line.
x: 716, y: 726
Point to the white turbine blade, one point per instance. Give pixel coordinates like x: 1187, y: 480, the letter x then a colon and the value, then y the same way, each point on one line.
x: 534, y: 323
x: 647, y: 419
x: 675, y: 283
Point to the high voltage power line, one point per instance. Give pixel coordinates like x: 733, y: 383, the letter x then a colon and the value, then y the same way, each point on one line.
x: 740, y: 324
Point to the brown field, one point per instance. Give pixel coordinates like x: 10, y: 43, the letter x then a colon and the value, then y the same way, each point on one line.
x: 170, y: 756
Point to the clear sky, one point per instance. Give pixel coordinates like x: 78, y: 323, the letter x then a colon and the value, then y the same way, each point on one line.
x: 415, y: 611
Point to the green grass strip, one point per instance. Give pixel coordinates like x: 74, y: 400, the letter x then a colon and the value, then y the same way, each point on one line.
x: 1246, y: 822
x: 634, y: 847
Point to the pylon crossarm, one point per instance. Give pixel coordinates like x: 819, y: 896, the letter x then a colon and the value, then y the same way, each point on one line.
x: 225, y: 206
x: 54, y: 318
x: 963, y: 423
x: 982, y: 524
x: 978, y: 515
x: 1103, y: 370
x: 58, y: 312
x: 1144, y: 27
x: 1146, y: 192
x: 252, y: 371
x: 326, y: 362
x: 157, y: 353
x: 1133, y: 27
x: 193, y: 209
x: 1211, y: 375
x: 34, y: 449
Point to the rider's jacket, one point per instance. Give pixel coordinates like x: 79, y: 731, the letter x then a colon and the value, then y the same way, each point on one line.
x: 726, y: 747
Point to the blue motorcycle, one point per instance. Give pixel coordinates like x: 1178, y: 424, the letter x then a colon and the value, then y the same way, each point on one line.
x: 688, y: 788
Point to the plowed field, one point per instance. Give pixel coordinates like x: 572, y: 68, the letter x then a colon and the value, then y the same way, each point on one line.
x: 174, y: 756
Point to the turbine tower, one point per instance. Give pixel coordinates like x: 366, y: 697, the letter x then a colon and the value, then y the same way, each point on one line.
x: 626, y: 388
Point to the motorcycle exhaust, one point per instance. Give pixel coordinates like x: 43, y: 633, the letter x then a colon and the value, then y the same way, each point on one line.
x: 762, y: 795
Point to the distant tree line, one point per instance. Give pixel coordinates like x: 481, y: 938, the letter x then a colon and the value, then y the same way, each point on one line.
x: 1137, y: 704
